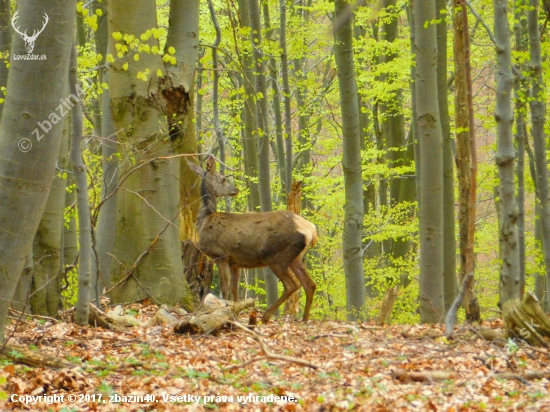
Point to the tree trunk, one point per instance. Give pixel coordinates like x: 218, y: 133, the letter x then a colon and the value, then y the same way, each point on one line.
x: 394, y: 134
x: 5, y: 46
x: 250, y: 144
x: 464, y: 157
x: 520, y: 94
x: 260, y: 88
x: 104, y: 233
x: 82, y: 308
x: 449, y: 236
x: 274, y: 81
x: 351, y: 164
x: 536, y: 103
x: 147, y: 245
x: 508, y: 234
x: 47, y: 248
x: 432, y: 305
x: 33, y: 165
x: 286, y: 97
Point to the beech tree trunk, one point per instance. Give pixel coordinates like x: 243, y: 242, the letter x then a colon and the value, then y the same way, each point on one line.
x: 260, y: 87
x: 432, y: 304
x: 351, y: 164
x: 286, y: 97
x: 536, y: 102
x: 82, y: 308
x: 520, y: 101
x: 147, y: 244
x: 5, y: 45
x: 449, y: 235
x: 33, y: 165
x: 508, y: 232
x: 48, y: 241
x: 104, y: 234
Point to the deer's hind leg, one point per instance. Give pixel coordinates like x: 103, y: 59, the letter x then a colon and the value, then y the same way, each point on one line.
x: 309, y: 285
x: 289, y: 284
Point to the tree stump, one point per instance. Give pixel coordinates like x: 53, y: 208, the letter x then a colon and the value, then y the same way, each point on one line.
x: 524, y: 319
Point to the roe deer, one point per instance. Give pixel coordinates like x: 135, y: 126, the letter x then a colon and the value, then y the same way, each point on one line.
x: 253, y: 240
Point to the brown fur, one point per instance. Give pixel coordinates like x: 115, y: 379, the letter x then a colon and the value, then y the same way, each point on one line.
x: 253, y: 240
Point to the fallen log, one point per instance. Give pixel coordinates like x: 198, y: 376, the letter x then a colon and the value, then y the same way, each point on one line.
x: 212, y: 321
x: 163, y: 317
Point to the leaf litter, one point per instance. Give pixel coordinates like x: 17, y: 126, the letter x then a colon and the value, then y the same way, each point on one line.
x: 360, y: 367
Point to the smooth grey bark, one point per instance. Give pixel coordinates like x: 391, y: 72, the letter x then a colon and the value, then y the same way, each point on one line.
x: 432, y: 304
x: 505, y: 156
x: 26, y: 176
x: 5, y: 45
x: 351, y: 164
x: 250, y: 144
x: 520, y: 101
x: 273, y: 81
x: 21, y: 297
x: 540, y: 276
x: 183, y: 35
x: 450, y: 285
x: 215, y: 89
x: 414, y: 124
x: 260, y: 87
x: 393, y: 130
x: 198, y: 106
x: 48, y: 241
x: 104, y: 232
x: 147, y: 245
x: 70, y: 242
x: 393, y: 124
x: 82, y: 308
x: 537, y: 105
x: 286, y: 97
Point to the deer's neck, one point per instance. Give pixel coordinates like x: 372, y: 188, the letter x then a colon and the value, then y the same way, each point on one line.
x: 208, y: 205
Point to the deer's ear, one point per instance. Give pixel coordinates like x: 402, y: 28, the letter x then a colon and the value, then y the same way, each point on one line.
x: 195, y: 168
x: 211, y: 165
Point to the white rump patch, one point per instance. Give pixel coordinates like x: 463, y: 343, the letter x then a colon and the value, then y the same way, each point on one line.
x: 308, y: 230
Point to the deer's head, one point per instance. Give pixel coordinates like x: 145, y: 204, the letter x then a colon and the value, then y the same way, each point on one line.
x: 216, y: 184
x: 29, y: 40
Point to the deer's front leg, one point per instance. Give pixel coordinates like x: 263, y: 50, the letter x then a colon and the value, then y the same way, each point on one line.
x: 223, y: 266
x: 235, y: 274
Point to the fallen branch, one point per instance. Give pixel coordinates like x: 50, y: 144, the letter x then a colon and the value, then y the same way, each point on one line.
x: 30, y: 315
x: 25, y: 356
x: 427, y: 376
x: 524, y: 377
x: 267, y: 353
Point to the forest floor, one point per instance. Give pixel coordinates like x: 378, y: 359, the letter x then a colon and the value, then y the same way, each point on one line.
x: 352, y: 367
